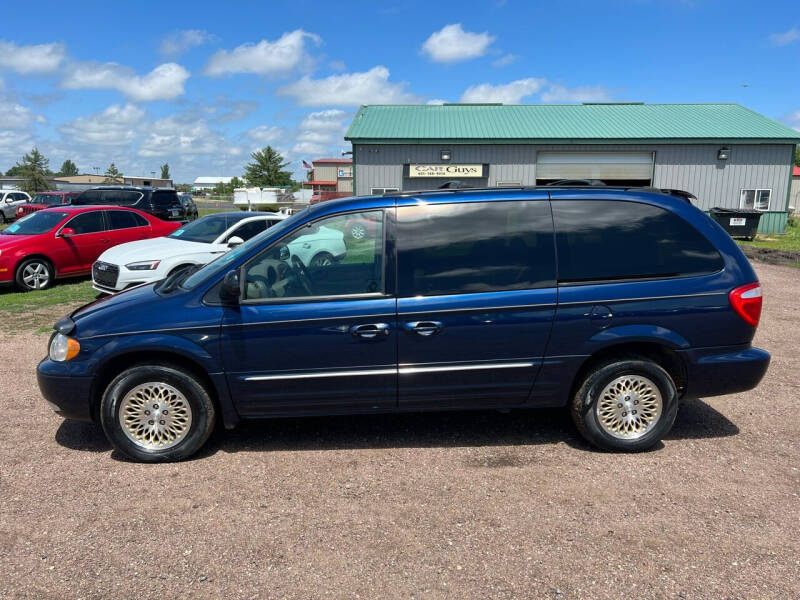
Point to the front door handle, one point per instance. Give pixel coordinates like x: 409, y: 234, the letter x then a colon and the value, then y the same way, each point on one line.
x: 370, y: 331
x: 424, y: 328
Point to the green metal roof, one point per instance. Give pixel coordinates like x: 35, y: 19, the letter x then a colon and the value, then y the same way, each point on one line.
x: 565, y: 123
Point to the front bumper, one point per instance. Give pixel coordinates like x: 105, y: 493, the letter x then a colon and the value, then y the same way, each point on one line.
x: 723, y: 370
x: 68, y: 395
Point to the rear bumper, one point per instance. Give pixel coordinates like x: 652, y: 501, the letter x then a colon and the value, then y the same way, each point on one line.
x: 68, y: 395
x: 725, y: 370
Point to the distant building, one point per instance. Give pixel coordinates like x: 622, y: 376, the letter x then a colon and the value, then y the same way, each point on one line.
x: 126, y: 180
x: 330, y: 178
x: 794, y: 195
x: 208, y: 183
x: 78, y: 183
x: 725, y: 154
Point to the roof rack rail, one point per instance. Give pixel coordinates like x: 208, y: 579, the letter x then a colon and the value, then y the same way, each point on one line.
x: 575, y: 182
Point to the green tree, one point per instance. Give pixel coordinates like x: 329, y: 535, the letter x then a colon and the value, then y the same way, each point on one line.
x: 165, y: 171
x: 267, y: 169
x: 34, y: 170
x: 15, y: 171
x: 112, y: 174
x: 67, y: 169
x: 235, y: 183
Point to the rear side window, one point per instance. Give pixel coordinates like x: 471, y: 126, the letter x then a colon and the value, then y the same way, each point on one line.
x: 121, y: 197
x: 88, y: 222
x: 248, y: 230
x: 613, y: 239
x: 164, y: 199
x: 123, y: 219
x: 474, y: 247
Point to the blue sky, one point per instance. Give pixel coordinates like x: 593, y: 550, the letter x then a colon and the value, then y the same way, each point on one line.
x: 201, y: 85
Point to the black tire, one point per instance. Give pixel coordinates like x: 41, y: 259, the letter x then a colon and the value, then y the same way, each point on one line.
x: 203, y: 414
x: 584, y: 403
x: 37, y: 265
x: 321, y: 259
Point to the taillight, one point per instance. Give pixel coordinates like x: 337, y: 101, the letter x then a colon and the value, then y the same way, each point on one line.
x: 746, y: 301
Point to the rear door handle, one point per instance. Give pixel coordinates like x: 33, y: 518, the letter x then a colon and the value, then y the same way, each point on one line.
x: 370, y: 331
x: 424, y: 328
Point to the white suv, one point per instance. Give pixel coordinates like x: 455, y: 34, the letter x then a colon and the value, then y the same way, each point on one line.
x: 194, y: 244
x: 9, y: 201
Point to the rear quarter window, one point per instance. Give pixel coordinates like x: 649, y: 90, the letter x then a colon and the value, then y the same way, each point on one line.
x: 165, y: 199
x: 614, y: 239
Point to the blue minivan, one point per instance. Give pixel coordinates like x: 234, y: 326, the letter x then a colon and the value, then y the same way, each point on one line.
x: 613, y: 302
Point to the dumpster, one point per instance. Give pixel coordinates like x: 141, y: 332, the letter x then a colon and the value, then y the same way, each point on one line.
x: 738, y: 222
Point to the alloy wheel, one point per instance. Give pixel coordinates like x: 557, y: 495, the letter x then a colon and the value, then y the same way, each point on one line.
x: 155, y: 416
x: 36, y: 275
x: 629, y: 407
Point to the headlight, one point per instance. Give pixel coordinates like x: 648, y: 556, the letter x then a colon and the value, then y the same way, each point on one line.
x: 63, y: 348
x: 145, y: 265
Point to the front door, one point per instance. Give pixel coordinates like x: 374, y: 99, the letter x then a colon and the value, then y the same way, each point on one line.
x: 476, y: 299
x: 89, y: 240
x: 315, y: 331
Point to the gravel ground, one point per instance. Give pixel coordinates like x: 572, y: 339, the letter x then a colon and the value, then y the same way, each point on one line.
x: 461, y: 505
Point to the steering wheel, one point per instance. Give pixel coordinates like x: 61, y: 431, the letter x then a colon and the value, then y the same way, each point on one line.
x: 302, y: 275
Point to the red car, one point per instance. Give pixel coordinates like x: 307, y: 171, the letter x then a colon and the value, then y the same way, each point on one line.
x: 45, y: 200
x: 64, y: 241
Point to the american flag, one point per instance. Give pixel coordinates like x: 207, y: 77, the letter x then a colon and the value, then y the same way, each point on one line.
x: 306, y: 165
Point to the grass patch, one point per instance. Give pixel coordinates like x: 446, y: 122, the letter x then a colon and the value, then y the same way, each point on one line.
x: 781, y: 249
x: 41, y: 308
x: 786, y: 241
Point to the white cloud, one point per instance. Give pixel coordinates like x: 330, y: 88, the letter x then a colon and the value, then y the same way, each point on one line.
x: 165, y: 82
x: 509, y: 93
x: 266, y: 134
x: 793, y: 120
x: 286, y: 54
x: 435, y: 101
x: 452, y: 44
x: 17, y: 117
x: 786, y: 37
x: 559, y: 93
x: 308, y: 149
x: 337, y: 65
x: 325, y: 120
x: 349, y: 89
x: 117, y: 125
x: 505, y: 60
x: 178, y: 42
x: 177, y: 135
x: 36, y: 59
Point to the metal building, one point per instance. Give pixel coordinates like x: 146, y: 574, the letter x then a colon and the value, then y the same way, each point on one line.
x: 725, y: 154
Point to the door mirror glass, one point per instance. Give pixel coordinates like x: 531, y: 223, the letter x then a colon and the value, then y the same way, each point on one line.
x: 234, y: 241
x: 231, y: 290
x: 283, y: 252
x: 67, y: 232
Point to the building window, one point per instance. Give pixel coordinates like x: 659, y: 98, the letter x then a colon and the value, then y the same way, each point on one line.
x: 508, y: 184
x: 757, y: 199
x: 378, y: 191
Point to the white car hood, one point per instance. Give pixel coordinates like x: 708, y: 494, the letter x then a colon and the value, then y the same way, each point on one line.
x: 156, y: 249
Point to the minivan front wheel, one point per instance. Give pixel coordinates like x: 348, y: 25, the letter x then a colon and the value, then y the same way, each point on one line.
x: 625, y: 404
x: 157, y: 413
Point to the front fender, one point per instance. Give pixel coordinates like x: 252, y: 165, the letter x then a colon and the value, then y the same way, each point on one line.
x: 197, y: 346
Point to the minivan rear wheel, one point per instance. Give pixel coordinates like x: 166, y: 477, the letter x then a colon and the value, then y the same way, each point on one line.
x: 625, y: 404
x: 157, y: 413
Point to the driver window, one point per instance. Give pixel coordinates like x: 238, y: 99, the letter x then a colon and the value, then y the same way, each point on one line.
x: 340, y: 255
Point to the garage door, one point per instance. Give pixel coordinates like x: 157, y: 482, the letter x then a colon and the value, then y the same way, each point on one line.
x: 606, y: 166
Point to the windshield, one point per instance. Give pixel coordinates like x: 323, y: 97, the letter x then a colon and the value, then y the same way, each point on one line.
x: 220, y: 264
x: 208, y: 228
x: 46, y: 199
x: 35, y: 223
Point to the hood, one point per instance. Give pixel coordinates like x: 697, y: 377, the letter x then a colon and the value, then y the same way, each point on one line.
x: 153, y: 249
x: 6, y: 241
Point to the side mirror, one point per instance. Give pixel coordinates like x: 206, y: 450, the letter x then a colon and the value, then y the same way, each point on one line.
x: 231, y: 290
x: 67, y: 232
x: 234, y: 241
x: 283, y: 252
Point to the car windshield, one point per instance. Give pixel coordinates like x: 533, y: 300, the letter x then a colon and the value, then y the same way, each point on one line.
x: 46, y: 199
x: 208, y: 228
x: 36, y: 223
x: 217, y: 266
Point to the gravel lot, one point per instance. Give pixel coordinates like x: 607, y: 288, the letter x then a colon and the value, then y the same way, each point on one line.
x: 462, y: 505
